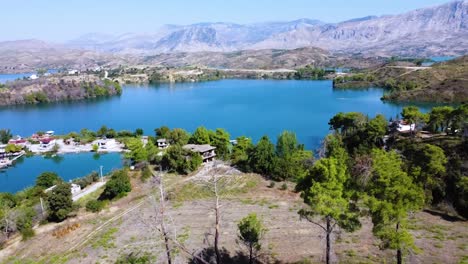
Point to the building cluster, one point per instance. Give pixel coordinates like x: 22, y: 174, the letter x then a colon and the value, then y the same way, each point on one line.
x: 206, y: 151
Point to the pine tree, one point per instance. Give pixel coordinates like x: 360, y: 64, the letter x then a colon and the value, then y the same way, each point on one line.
x: 391, y: 196
x: 324, y: 191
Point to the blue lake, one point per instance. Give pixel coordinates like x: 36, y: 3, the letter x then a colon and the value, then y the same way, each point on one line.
x: 243, y: 107
x: 11, y: 77
x: 25, y: 171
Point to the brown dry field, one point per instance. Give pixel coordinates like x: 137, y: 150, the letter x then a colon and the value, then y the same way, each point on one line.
x: 126, y: 226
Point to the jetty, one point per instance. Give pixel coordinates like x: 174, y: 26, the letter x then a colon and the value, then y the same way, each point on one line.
x: 5, y: 162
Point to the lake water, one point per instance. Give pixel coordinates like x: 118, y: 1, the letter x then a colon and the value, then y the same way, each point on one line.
x: 12, y: 77
x: 25, y: 171
x: 243, y: 107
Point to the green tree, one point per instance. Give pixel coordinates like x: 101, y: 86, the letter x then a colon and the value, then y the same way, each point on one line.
x: 137, y: 152
x: 286, y: 144
x: 95, y: 148
x: 412, y: 115
x: 178, y: 136
x: 263, y: 158
x: 139, y: 132
x: 251, y: 231
x: 427, y: 165
x: 291, y: 161
x: 439, y: 118
x: 162, y: 132
x: 60, y: 202
x: 5, y: 135
x: 324, y: 191
x: 111, y: 133
x: 459, y: 118
x: 41, y: 71
x: 180, y: 160
x: 292, y: 166
x: 102, y: 131
x: 12, y: 148
x: 220, y: 139
x: 117, y: 186
x: 376, y: 129
x: 47, y: 179
x: 240, y: 153
x: 346, y: 123
x: 151, y: 151
x: 200, y: 136
x: 391, y: 195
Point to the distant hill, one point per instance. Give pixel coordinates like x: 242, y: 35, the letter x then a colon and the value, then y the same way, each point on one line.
x: 423, y: 32
x: 29, y: 55
x: 405, y: 81
x: 444, y: 82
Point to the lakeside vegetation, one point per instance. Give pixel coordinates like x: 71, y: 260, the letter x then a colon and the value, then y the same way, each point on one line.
x: 56, y: 89
x: 443, y: 82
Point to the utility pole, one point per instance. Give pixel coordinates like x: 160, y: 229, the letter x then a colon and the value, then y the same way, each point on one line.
x: 100, y: 167
x: 42, y: 207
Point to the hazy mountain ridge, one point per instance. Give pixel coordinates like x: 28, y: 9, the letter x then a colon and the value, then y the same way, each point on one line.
x: 429, y: 31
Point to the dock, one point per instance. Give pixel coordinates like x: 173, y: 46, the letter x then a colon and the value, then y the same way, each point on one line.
x: 4, y: 163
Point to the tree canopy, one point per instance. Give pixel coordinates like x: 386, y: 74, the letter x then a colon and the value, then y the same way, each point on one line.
x: 47, y: 179
x: 60, y: 202
x: 391, y: 195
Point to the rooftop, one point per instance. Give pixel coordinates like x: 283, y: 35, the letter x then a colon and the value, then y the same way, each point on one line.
x: 199, y: 148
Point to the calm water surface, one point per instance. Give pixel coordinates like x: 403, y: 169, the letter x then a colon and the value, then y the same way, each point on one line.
x: 24, y: 173
x: 242, y: 107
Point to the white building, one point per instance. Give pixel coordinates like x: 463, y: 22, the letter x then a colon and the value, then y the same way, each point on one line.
x: 162, y: 143
x: 75, y: 189
x: 402, y: 127
x: 33, y: 77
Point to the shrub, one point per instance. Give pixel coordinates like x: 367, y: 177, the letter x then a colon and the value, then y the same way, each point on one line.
x: 271, y: 185
x: 87, y: 180
x: 95, y: 206
x: 118, y: 186
x: 284, y: 187
x: 146, y: 174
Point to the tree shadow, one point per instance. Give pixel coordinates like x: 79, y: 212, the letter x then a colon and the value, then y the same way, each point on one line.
x: 445, y: 216
x: 208, y: 254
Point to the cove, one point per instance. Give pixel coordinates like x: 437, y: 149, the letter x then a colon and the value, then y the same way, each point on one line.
x: 243, y: 107
x: 70, y: 166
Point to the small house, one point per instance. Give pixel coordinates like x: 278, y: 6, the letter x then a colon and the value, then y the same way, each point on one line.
x: 162, y: 143
x: 19, y: 141
x: 33, y: 77
x: 46, y: 142
x: 206, y: 151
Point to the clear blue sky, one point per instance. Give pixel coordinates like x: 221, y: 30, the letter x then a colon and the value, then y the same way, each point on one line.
x: 59, y: 20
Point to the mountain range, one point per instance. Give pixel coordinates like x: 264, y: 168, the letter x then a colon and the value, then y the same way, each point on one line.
x: 439, y: 30
x: 434, y: 31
